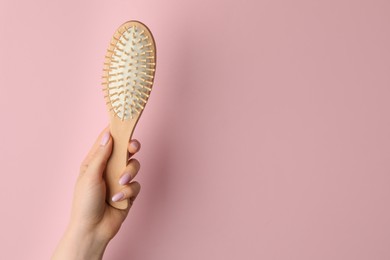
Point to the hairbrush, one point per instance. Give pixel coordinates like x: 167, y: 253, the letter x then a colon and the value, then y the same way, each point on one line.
x: 128, y: 74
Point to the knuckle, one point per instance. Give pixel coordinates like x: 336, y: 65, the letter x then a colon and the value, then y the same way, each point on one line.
x: 98, y: 163
x: 133, y: 190
x: 101, y: 164
x: 137, y: 186
x: 134, y: 164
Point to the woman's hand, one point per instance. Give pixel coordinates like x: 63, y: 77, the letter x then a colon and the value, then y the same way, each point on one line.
x: 93, y: 221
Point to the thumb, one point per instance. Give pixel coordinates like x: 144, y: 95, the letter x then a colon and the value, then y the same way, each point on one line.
x: 99, y: 158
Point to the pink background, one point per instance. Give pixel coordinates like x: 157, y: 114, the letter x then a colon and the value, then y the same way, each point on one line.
x: 267, y: 135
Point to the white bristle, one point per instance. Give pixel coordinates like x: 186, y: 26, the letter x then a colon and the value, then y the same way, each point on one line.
x: 130, y: 73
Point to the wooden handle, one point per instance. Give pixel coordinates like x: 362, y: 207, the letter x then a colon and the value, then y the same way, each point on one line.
x: 121, y: 133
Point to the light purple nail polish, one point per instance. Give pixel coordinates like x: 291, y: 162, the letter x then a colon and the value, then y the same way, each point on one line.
x: 118, y: 196
x: 105, y: 138
x: 125, y: 179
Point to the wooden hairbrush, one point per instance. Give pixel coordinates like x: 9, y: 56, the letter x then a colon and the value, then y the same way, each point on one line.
x: 128, y: 75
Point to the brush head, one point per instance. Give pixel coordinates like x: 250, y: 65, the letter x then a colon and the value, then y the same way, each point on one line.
x: 129, y: 70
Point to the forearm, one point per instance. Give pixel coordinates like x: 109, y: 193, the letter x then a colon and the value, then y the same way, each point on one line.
x: 79, y: 246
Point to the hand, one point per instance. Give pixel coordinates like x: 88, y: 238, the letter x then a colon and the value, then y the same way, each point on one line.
x: 93, y: 221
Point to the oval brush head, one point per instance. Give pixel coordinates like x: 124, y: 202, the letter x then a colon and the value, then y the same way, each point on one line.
x: 129, y: 70
x: 128, y: 75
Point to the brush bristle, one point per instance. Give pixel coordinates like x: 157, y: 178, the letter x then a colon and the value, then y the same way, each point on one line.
x: 129, y: 70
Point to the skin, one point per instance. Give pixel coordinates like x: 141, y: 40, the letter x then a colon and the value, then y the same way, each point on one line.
x: 93, y: 221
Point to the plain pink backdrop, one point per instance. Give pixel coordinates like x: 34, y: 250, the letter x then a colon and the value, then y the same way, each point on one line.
x: 267, y: 135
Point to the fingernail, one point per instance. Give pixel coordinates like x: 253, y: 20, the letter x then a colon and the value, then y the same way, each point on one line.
x: 105, y: 139
x: 134, y: 145
x: 118, y: 196
x: 125, y: 179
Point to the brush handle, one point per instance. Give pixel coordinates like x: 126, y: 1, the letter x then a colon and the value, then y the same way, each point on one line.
x: 121, y: 132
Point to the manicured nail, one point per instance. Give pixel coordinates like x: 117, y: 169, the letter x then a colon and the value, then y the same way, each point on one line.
x: 105, y: 139
x: 125, y: 179
x: 118, y: 196
x: 134, y: 145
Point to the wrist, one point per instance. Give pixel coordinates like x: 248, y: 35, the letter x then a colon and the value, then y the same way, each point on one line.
x: 80, y: 245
